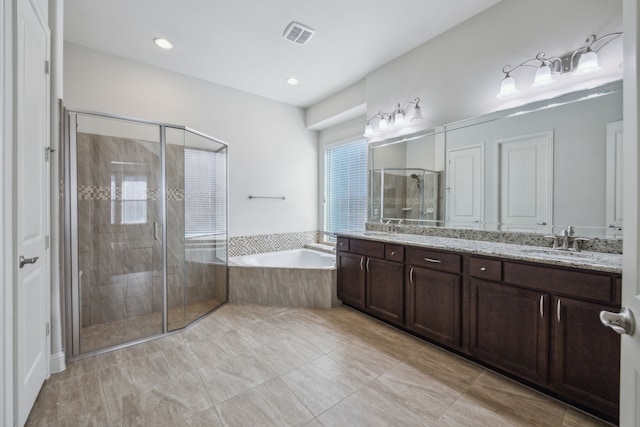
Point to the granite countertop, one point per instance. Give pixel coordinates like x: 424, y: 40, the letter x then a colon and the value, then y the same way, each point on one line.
x: 611, y: 263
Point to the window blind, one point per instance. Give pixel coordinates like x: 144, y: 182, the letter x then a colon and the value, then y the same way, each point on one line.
x: 345, y: 175
x: 205, y: 204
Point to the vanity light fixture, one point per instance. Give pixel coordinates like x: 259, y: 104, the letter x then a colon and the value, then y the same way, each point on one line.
x: 397, y: 117
x: 163, y: 43
x: 581, y: 63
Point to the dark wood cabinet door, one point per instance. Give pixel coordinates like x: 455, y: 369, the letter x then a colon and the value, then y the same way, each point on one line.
x: 509, y: 329
x: 586, y: 355
x: 351, y: 279
x: 385, y: 289
x: 433, y: 304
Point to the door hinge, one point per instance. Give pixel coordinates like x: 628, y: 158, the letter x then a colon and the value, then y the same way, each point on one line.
x: 46, y: 67
x: 47, y: 153
x: 48, y: 328
x: 47, y: 242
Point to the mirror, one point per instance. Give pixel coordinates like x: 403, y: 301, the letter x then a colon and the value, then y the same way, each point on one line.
x: 536, y: 168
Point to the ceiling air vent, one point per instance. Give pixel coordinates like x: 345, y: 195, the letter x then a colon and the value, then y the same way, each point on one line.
x: 298, y: 33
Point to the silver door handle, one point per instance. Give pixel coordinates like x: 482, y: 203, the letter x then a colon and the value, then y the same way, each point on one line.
x: 622, y: 323
x: 362, y: 264
x: 435, y: 261
x: 156, y: 231
x: 24, y: 260
x: 411, y: 275
x: 541, y: 304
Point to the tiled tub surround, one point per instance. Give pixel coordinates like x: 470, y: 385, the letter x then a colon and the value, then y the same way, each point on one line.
x: 261, y: 243
x: 597, y: 261
x: 120, y: 257
x: 612, y: 246
x: 282, y: 286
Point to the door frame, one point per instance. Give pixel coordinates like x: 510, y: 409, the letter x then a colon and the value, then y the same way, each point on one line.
x: 630, y: 366
x: 6, y: 215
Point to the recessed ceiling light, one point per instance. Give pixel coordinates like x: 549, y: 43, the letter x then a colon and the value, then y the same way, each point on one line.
x: 163, y: 43
x: 292, y: 81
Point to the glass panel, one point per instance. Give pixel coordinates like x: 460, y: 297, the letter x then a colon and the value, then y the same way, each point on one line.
x: 119, y: 259
x: 174, y: 178
x: 205, y: 227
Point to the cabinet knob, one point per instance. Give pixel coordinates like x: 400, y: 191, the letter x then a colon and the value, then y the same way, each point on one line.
x: 483, y: 268
x: 393, y: 253
x: 341, y: 243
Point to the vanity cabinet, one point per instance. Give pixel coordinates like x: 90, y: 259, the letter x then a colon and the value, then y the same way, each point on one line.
x: 352, y: 277
x: 433, y: 295
x: 582, y: 345
x: 371, y: 276
x: 536, y: 322
x: 509, y: 329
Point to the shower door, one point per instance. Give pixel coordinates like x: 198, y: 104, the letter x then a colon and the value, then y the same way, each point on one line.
x: 117, y: 288
x: 147, y: 227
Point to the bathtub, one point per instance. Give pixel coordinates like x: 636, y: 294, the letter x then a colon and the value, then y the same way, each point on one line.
x: 295, y: 258
x: 292, y: 278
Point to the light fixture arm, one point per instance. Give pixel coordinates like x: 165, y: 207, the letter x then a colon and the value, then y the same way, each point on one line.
x: 590, y: 41
x: 554, y: 63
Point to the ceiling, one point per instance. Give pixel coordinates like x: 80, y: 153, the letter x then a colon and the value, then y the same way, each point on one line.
x: 239, y: 43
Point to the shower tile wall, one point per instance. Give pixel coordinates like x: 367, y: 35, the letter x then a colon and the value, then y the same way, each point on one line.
x: 401, y: 196
x: 121, y: 259
x: 118, y: 259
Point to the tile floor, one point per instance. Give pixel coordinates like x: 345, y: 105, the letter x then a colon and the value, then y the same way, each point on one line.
x: 261, y: 366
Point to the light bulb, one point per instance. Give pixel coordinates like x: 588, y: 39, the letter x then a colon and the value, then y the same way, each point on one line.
x: 368, y: 130
x: 587, y: 65
x: 399, y: 118
x: 507, y: 88
x: 417, y: 113
x: 383, y: 124
x: 543, y: 77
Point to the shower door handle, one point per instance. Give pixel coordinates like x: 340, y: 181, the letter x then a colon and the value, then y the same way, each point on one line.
x: 156, y: 230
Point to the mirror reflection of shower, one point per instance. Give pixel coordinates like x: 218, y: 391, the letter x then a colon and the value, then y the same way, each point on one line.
x: 406, y: 195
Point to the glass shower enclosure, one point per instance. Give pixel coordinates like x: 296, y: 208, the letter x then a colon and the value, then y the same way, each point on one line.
x: 146, y: 222
x: 406, y: 195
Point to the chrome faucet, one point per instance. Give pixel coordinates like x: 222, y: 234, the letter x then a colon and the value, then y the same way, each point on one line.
x: 567, y: 234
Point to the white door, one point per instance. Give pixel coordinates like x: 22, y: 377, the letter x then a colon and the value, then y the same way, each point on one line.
x: 525, y: 167
x: 32, y: 209
x: 630, y: 360
x: 613, y: 207
x: 465, y: 187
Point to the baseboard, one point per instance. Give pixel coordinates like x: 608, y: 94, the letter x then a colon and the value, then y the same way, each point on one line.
x: 57, y: 363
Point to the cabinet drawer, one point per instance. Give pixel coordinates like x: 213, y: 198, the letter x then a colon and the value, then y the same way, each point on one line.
x: 367, y: 247
x: 342, y: 244
x: 578, y: 284
x: 434, y: 260
x: 394, y: 253
x: 483, y: 268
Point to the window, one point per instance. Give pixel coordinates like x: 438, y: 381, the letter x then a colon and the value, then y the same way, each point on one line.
x: 128, y: 195
x: 345, y: 188
x: 205, y: 177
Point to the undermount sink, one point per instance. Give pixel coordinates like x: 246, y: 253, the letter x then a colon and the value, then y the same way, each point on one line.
x: 557, y: 253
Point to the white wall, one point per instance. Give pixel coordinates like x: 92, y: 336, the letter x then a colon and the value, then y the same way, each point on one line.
x: 457, y: 74
x: 270, y: 151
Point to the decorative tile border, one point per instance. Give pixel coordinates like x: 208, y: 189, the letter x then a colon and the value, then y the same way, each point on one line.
x: 611, y: 246
x: 95, y: 192
x: 257, y: 244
